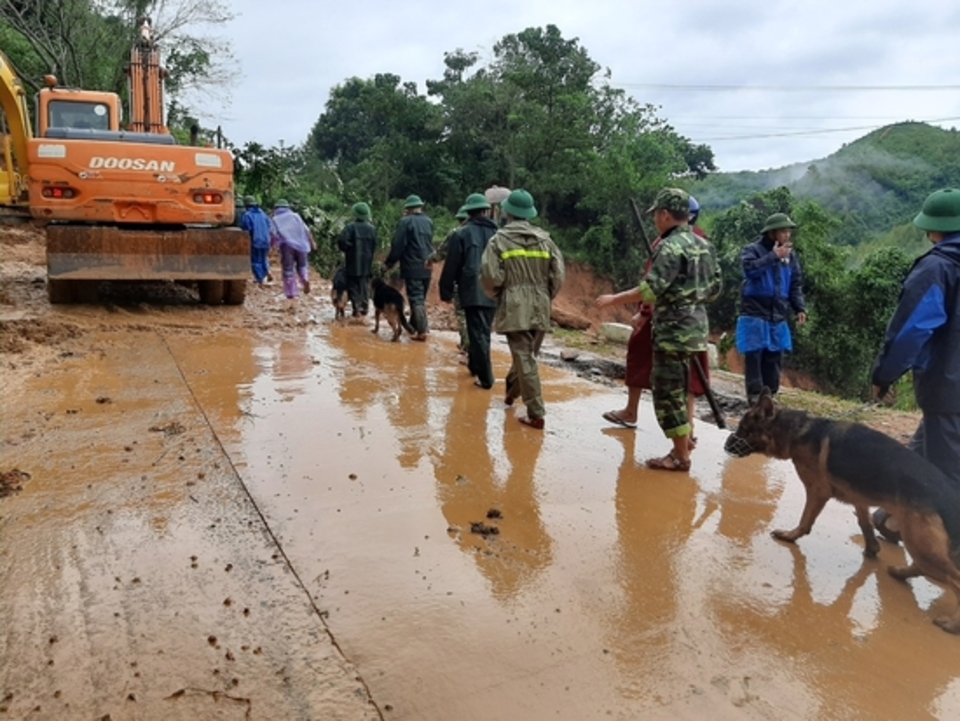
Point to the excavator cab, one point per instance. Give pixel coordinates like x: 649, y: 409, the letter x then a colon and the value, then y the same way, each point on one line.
x: 78, y: 114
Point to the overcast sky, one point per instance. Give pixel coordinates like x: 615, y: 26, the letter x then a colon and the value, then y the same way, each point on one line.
x: 804, y: 74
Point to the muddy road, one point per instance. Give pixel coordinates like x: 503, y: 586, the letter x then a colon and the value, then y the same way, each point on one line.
x: 257, y: 513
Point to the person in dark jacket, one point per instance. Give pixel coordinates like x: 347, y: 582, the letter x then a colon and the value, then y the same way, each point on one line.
x: 923, y: 336
x: 461, y: 275
x: 439, y: 256
x: 772, y: 286
x: 412, y: 248
x: 358, y: 241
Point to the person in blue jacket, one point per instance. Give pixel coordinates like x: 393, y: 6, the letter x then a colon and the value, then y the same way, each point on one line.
x: 923, y: 336
x: 772, y: 286
x: 258, y: 224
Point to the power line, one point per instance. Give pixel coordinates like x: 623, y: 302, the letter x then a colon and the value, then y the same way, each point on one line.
x: 811, y: 132
x: 794, y: 88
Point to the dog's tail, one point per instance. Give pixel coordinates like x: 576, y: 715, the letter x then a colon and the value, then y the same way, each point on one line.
x: 405, y: 323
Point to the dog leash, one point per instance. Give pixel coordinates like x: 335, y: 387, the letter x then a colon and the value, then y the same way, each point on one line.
x: 853, y: 412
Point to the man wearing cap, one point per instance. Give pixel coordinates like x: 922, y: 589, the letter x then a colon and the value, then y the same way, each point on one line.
x: 682, y: 279
x: 412, y: 248
x: 461, y: 279
x: 923, y: 336
x: 259, y: 226
x: 522, y: 269
x: 358, y: 241
x: 772, y: 286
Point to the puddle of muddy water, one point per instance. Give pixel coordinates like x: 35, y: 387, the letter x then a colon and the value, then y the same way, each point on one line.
x: 609, y: 589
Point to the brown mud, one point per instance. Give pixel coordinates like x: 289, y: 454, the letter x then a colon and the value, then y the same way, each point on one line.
x: 260, y: 513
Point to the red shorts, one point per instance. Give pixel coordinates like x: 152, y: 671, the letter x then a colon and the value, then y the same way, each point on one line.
x: 640, y: 362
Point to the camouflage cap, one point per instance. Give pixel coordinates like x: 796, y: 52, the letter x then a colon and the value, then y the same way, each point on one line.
x: 673, y: 199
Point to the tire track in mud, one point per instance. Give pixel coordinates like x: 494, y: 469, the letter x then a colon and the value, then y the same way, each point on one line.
x: 321, y: 616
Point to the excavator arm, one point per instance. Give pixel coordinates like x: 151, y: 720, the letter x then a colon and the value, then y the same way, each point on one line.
x: 13, y: 100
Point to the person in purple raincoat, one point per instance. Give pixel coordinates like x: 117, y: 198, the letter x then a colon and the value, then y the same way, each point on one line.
x: 293, y: 238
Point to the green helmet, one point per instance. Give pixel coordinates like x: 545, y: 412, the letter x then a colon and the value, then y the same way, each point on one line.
x: 519, y: 204
x: 250, y: 201
x: 413, y: 201
x: 941, y: 212
x: 462, y: 214
x: 777, y: 221
x: 475, y: 201
x: 361, y: 211
x: 281, y: 204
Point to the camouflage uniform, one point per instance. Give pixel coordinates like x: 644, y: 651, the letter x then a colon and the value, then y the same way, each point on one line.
x: 684, y: 277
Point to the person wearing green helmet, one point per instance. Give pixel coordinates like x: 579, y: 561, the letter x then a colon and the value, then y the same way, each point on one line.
x: 412, y: 248
x: 923, y: 336
x: 460, y: 281
x: 772, y: 287
x: 358, y: 241
x: 522, y: 269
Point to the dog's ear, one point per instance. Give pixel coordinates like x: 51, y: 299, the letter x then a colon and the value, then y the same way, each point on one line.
x: 765, y: 402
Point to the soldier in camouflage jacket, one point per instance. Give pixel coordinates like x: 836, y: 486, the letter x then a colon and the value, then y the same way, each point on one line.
x: 682, y: 279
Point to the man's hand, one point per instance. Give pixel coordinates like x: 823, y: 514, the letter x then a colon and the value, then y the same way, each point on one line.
x: 883, y: 394
x: 801, y: 318
x: 604, y: 301
x: 782, y: 250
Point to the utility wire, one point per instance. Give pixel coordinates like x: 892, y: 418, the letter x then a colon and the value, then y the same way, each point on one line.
x: 811, y: 132
x: 795, y: 88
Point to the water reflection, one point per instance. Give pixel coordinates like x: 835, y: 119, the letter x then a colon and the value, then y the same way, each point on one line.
x: 393, y: 376
x: 469, y: 486
x: 655, y: 517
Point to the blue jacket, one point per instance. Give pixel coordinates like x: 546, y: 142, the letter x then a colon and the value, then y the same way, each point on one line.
x: 258, y: 224
x: 924, y: 333
x: 770, y: 287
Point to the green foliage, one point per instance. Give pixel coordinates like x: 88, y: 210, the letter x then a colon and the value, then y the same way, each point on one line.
x: 87, y: 43
x: 871, y: 185
x: 848, y: 317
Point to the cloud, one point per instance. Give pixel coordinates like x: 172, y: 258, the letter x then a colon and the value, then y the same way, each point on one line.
x: 292, y: 52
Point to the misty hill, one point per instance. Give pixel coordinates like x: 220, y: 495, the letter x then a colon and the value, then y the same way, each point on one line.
x: 873, y: 184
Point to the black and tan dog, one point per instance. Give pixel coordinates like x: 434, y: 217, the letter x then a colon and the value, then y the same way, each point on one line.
x: 388, y: 302
x: 863, y: 467
x: 338, y: 293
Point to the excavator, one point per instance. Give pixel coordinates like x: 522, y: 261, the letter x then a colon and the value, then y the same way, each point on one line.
x: 120, y: 203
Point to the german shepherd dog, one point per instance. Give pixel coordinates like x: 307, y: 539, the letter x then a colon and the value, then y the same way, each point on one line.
x: 388, y: 301
x: 338, y: 293
x: 863, y: 467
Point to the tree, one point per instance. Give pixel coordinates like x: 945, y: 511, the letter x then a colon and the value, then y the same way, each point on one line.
x: 384, y: 139
x: 86, y: 43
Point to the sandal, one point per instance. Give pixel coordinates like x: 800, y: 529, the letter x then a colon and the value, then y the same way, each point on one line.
x: 668, y: 463
x: 614, y: 417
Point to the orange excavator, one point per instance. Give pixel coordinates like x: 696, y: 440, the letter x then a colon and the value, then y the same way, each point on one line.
x: 121, y: 204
